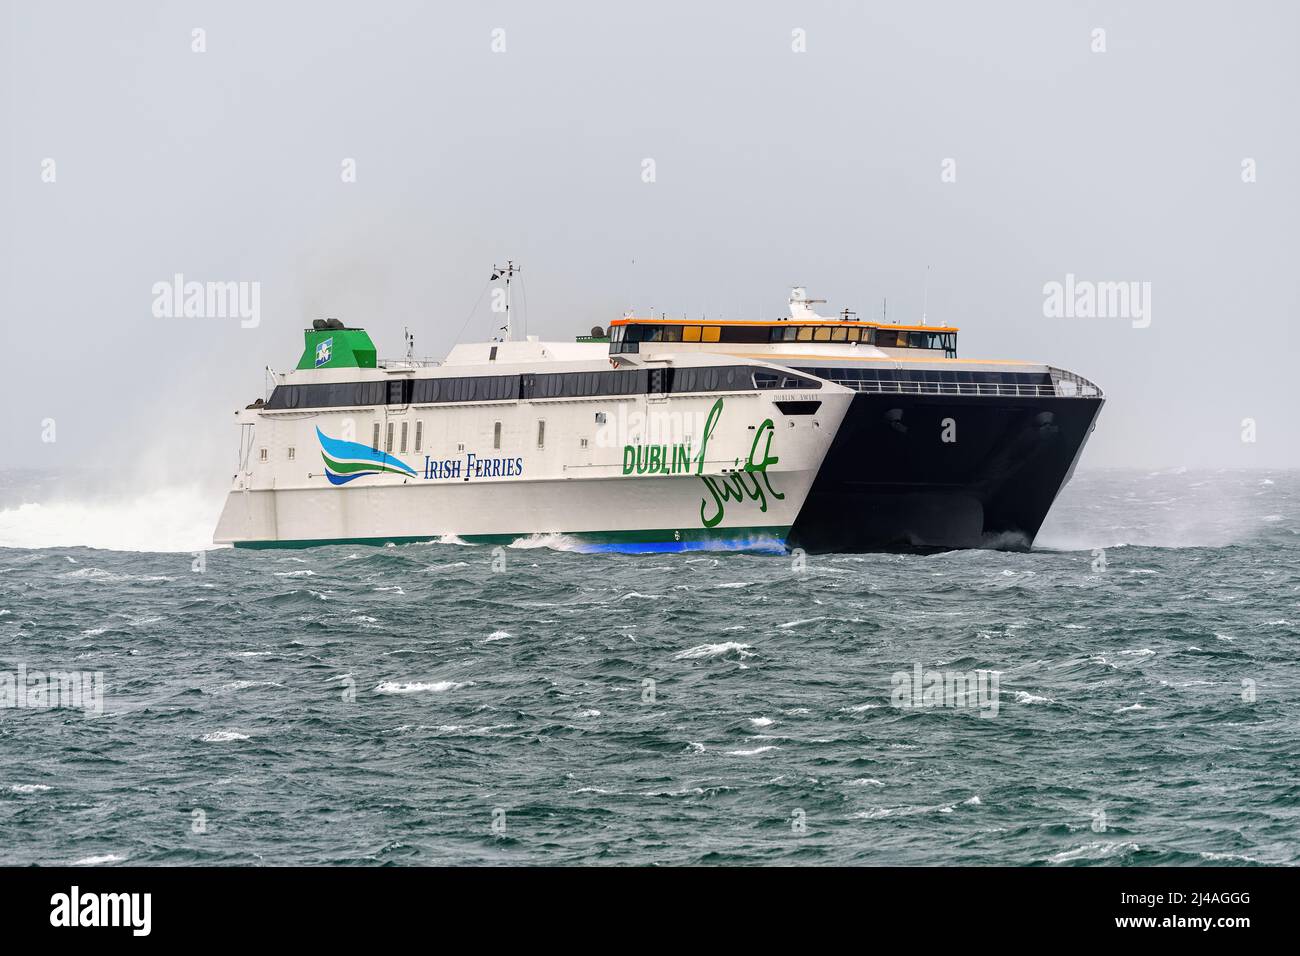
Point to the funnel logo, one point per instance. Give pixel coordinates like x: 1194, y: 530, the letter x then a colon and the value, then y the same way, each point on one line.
x: 324, y: 352
x: 345, y: 460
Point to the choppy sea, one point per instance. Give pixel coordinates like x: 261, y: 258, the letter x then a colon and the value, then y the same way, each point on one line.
x: 449, y: 704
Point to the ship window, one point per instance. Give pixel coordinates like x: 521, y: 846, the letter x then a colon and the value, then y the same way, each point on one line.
x: 672, y: 333
x: 374, y: 444
x: 805, y: 333
x: 839, y: 334
x: 748, y: 334
x: 710, y: 333
x: 496, y: 434
x: 691, y: 333
x: 404, y: 438
x: 419, y: 434
x: 541, y: 433
x: 852, y: 334
x: 822, y: 334
x: 388, y: 444
x: 292, y: 452
x: 262, y: 455
x: 789, y: 333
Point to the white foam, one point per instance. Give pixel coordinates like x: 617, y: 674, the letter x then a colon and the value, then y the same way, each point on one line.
x: 1023, y: 697
x: 807, y: 620
x: 97, y: 860
x: 556, y: 542
x: 160, y: 520
x: 223, y: 737
x: 751, y: 753
x: 713, y: 650
x: 417, y: 687
x: 761, y: 721
x: 27, y: 788
x: 1093, y: 851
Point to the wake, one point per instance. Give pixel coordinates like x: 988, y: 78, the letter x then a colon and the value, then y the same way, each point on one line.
x: 177, y: 519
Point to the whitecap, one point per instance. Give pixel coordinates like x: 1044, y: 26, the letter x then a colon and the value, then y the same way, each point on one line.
x: 751, y: 753
x: 97, y: 860
x: 223, y: 737
x: 761, y: 721
x: 713, y: 650
x: 1023, y: 697
x: 417, y: 687
x: 808, y: 620
x: 1093, y: 851
x: 27, y: 788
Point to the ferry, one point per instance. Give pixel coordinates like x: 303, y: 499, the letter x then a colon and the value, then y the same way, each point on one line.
x: 520, y: 439
x: 936, y: 452
x: 829, y: 434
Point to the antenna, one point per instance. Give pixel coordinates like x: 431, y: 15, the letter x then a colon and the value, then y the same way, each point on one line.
x: 925, y: 294
x: 508, y: 272
x: 410, y: 345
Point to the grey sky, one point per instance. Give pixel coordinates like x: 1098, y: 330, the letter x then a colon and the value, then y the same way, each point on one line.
x: 773, y: 168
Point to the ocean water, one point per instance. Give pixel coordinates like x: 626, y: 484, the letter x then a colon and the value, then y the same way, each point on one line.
x: 440, y: 703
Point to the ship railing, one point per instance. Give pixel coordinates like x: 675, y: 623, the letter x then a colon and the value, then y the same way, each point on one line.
x: 408, y: 362
x: 1070, y: 385
x: 1062, y: 389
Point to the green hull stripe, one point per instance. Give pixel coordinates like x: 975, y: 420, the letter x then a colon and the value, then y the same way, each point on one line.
x: 632, y: 538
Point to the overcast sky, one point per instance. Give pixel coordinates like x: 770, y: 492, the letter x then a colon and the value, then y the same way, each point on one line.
x: 771, y: 168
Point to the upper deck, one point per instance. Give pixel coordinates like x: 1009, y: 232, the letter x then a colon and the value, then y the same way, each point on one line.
x: 781, y: 336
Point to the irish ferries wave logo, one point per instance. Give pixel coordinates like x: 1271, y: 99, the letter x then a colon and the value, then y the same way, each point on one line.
x: 345, y: 460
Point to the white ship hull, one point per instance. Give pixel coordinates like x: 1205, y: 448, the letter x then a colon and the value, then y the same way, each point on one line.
x: 719, y: 470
